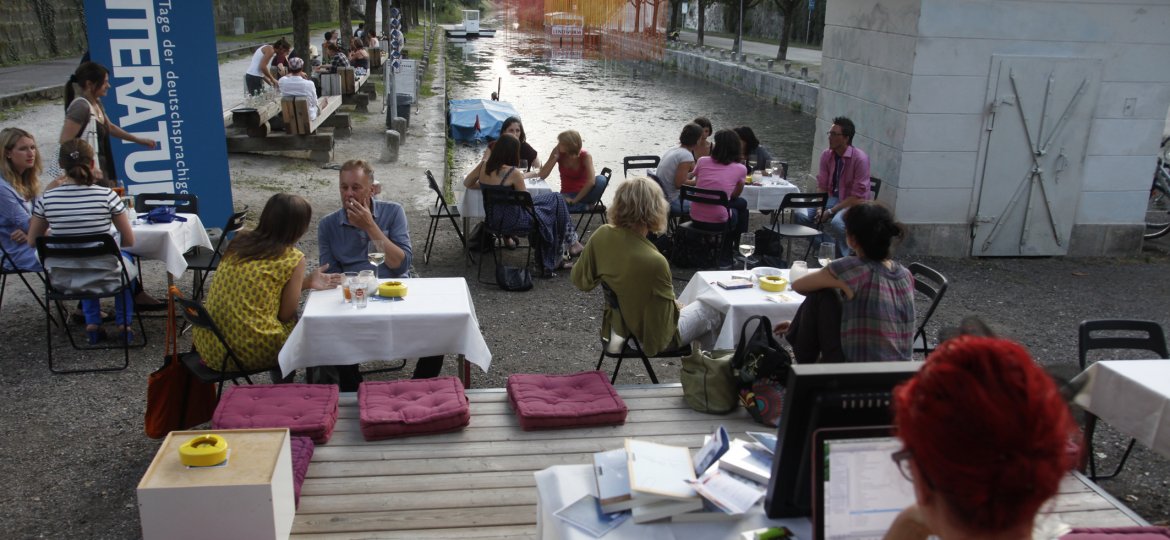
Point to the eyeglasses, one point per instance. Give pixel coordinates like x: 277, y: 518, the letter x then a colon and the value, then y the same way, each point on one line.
x: 902, y: 462
x: 834, y: 134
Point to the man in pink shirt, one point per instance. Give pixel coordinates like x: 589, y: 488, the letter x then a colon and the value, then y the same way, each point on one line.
x: 844, y: 175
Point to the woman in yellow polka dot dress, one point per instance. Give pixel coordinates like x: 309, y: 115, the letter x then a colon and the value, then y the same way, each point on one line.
x: 255, y: 292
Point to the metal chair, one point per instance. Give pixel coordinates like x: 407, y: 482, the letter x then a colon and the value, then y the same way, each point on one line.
x: 8, y: 268
x: 638, y: 162
x: 619, y: 347
x: 84, y: 267
x: 204, y: 261
x: 196, y: 315
x: 495, y: 199
x: 439, y: 211
x: 183, y: 202
x: 798, y: 201
x: 933, y: 285
x: 674, y: 218
x: 1151, y: 338
x: 714, y: 239
x: 598, y: 208
x: 875, y: 187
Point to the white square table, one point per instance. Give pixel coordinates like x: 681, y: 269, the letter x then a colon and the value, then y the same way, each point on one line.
x: 738, y: 305
x: 766, y: 192
x: 436, y: 317
x: 471, y: 203
x: 1132, y: 396
x: 168, y: 242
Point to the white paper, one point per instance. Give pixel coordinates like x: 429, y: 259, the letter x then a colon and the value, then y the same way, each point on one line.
x: 732, y: 495
x: 713, y: 448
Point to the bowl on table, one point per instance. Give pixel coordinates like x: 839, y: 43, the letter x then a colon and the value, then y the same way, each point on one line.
x: 761, y: 271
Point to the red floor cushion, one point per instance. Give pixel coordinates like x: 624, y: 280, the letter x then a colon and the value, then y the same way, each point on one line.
x: 308, y: 410
x: 558, y: 401
x: 1119, y: 533
x: 412, y: 407
x: 302, y: 454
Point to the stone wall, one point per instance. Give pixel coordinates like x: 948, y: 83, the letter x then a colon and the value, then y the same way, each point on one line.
x: 32, y: 30
x: 779, y: 88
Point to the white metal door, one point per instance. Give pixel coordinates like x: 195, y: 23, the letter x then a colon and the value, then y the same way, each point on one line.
x: 1035, y: 136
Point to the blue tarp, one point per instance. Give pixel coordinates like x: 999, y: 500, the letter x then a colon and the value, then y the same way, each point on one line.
x: 490, y: 115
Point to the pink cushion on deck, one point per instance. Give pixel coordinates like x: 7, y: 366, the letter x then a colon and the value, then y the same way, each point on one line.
x: 308, y: 410
x: 302, y: 454
x: 412, y: 407
x: 1127, y: 533
x: 555, y: 401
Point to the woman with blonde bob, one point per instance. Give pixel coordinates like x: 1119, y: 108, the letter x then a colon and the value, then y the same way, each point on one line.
x: 20, y: 185
x: 620, y: 255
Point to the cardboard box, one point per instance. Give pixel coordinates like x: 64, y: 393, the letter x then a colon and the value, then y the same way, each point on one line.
x: 250, y: 497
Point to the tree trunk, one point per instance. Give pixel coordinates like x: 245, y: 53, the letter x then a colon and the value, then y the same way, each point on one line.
x: 785, y: 33
x: 371, y: 16
x: 385, y: 21
x: 654, y: 18
x: 702, y: 20
x: 346, y: 37
x: 300, y: 17
x: 675, y: 12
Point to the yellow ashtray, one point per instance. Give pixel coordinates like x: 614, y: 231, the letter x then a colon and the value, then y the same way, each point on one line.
x: 392, y: 289
x: 773, y: 283
x: 204, y: 451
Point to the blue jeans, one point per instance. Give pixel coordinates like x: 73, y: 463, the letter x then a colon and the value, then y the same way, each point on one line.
x: 592, y: 198
x: 834, y: 230
x: 123, y: 304
x: 679, y: 206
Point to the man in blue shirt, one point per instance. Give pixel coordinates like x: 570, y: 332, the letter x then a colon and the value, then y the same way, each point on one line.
x: 343, y: 242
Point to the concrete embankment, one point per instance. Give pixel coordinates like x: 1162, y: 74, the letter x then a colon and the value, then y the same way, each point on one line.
x: 796, y: 93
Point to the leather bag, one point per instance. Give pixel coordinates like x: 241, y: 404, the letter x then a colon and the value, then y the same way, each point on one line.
x: 761, y: 368
x: 708, y: 383
x: 514, y: 279
x: 175, y: 398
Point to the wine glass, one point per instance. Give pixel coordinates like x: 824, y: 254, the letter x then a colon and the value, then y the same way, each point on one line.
x: 376, y: 255
x: 747, y: 246
x: 768, y: 168
x: 827, y: 253
x: 523, y: 165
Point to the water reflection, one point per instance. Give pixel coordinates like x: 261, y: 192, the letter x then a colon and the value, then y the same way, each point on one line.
x: 620, y: 108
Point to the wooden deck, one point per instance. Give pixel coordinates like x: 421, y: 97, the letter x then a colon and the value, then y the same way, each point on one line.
x: 478, y: 482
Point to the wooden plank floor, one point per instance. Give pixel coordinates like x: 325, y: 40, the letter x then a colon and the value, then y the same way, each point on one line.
x: 478, y: 482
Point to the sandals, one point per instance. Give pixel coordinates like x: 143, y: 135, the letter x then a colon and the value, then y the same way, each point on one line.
x: 94, y: 334
x: 124, y: 332
x: 511, y: 242
x: 77, y: 317
x: 576, y: 249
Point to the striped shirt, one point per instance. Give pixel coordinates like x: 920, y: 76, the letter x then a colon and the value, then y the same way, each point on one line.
x: 877, y: 325
x: 73, y: 210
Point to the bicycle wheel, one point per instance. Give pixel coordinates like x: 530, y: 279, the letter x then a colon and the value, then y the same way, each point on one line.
x: 1158, y: 206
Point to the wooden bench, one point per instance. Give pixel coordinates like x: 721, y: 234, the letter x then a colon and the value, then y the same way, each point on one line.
x: 295, y: 113
x: 316, y: 136
x: 350, y: 87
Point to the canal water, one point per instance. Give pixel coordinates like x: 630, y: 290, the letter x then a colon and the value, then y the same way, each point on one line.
x: 621, y: 108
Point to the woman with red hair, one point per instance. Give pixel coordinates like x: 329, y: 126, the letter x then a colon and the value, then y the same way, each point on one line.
x: 985, y: 437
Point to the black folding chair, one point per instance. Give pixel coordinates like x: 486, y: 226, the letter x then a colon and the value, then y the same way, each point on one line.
x: 1149, y: 337
x: 204, y: 261
x: 933, y: 285
x: 196, y: 315
x: 185, y: 203
x: 85, y: 267
x: 496, y: 199
x: 598, y: 209
x: 674, y: 218
x: 713, y: 238
x: 618, y: 347
x: 638, y: 162
x: 8, y: 268
x: 437, y: 212
x: 875, y: 187
x: 791, y: 229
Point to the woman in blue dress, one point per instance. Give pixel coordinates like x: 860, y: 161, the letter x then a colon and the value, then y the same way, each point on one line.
x: 552, y: 215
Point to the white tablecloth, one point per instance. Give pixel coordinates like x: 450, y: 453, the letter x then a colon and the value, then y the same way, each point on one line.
x: 168, y: 242
x: 471, y: 203
x: 1133, y: 396
x: 436, y: 317
x: 737, y: 305
x: 560, y: 485
x: 766, y: 196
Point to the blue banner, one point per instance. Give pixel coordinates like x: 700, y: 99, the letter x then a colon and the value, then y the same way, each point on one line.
x: 164, y: 85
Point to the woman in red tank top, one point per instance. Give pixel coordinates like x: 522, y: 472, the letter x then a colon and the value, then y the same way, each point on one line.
x: 580, y: 185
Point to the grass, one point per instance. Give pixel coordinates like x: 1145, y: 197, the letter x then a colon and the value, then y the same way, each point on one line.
x: 758, y: 39
x: 274, y: 33
x: 19, y: 109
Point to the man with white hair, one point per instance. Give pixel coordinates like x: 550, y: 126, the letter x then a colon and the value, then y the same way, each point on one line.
x: 297, y: 84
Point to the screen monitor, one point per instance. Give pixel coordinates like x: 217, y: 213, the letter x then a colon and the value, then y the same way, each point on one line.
x: 825, y: 396
x: 857, y: 488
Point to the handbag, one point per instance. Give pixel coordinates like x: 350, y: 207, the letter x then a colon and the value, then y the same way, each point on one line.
x: 163, y: 214
x: 761, y: 368
x: 769, y: 242
x: 175, y: 398
x: 512, y: 278
x: 707, y: 382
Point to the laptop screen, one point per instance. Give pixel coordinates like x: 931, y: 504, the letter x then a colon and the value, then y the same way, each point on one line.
x: 859, y: 490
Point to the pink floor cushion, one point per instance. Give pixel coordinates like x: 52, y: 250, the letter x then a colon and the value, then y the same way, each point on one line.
x: 302, y: 454
x: 412, y: 407
x: 308, y: 410
x: 559, y: 401
x: 1120, y: 533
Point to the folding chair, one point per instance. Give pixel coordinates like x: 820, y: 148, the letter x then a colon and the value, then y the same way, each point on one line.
x: 439, y: 211
x: 8, y: 268
x: 204, y: 261
x: 674, y: 218
x: 197, y: 316
x: 875, y: 187
x: 1151, y: 339
x: 630, y: 346
x: 183, y: 202
x: 714, y: 239
x: 638, y: 162
x: 933, y: 285
x: 598, y: 208
x: 84, y: 267
x: 798, y: 201
x: 495, y: 201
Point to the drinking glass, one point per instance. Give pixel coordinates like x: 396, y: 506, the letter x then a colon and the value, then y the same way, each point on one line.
x: 376, y: 255
x: 370, y: 279
x: 797, y: 270
x: 523, y: 165
x: 827, y: 253
x: 747, y: 246
x: 346, y: 284
x: 360, y: 293
x: 768, y: 167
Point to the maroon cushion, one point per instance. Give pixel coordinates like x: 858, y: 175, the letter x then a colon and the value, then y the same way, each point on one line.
x: 302, y: 454
x: 308, y: 410
x: 412, y: 407
x: 1128, y: 533
x: 555, y: 401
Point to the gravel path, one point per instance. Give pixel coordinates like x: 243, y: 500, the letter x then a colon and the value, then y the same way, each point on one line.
x: 74, y: 447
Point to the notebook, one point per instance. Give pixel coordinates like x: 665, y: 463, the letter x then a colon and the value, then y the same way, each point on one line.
x: 857, y: 491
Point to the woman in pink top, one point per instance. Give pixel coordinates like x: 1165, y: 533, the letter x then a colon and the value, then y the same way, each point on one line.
x: 722, y: 171
x: 581, y: 186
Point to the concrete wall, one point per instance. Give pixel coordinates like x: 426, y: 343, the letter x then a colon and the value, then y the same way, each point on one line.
x: 780, y: 89
x: 265, y: 14
x: 914, y: 75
